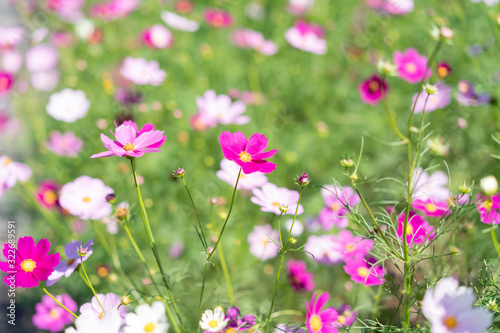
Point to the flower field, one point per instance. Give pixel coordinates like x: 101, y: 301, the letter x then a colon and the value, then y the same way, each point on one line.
x: 309, y: 166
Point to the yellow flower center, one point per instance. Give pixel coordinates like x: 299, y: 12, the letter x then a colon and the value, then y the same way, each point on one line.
x: 362, y: 271
x: 336, y: 207
x: 102, y: 272
x: 347, y: 313
x: 28, y: 265
x: 70, y: 262
x: 373, y: 86
x: 276, y: 204
x: 54, y: 314
x: 463, y: 87
x: 86, y: 199
x: 411, y: 68
x: 349, y: 247
x: 230, y: 330
x: 7, y: 161
x: 315, y: 323
x: 341, y: 319
x: 101, y: 315
x: 488, y: 204
x: 213, y: 323
x: 149, y: 328
x: 409, y: 229
x: 450, y: 322
x: 129, y: 147
x: 442, y: 71
x: 49, y: 197
x: 431, y: 208
x: 245, y: 157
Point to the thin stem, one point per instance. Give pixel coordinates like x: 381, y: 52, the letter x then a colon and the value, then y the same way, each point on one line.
x: 294, y: 218
x: 55, y: 300
x: 90, y: 283
x: 196, y: 214
x: 390, y: 119
x: 274, y: 294
x: 495, y: 241
x: 227, y: 276
x: 147, y: 226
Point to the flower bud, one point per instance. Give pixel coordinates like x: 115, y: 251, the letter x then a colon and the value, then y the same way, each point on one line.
x: 125, y: 300
x: 283, y: 208
x: 303, y: 179
x: 464, y: 188
x: 353, y: 177
x: 493, y: 305
x: 82, y: 251
x: 213, y: 201
x: 293, y: 240
x: 445, y: 33
x: 489, y: 185
x: 346, y: 162
x: 430, y: 89
x: 386, y: 68
x: 110, y: 198
x: 180, y: 172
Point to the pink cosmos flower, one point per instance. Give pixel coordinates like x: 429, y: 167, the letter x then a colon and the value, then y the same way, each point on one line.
x: 12, y: 61
x: 431, y: 207
x: 263, y: 240
x: 179, y: 22
x: 449, y: 308
x: 47, y: 194
x: 10, y: 37
x: 430, y: 186
x: 364, y: 271
x: 418, y: 229
x: 307, y: 37
x: 468, y: 96
x: 11, y: 172
x: 62, y: 39
x: 411, y: 66
x: 45, y: 80
x: 41, y: 58
x: 132, y: 142
x: 217, y: 18
x: 353, y: 246
x: 299, y: 277
x: 108, y: 301
x: 229, y: 172
x: 140, y: 71
x: 216, y: 109
x: 317, y: 320
x: 300, y: 7
x: 336, y: 200
x: 85, y: 198
x: 157, y: 37
x: 66, y: 144
x: 398, y: 7
x: 436, y: 101
x: 324, y: 249
x: 346, y: 317
x: 32, y: 264
x: 68, y: 10
x: 250, y: 39
x: 114, y: 9
x: 270, y: 197
x: 489, y: 209
x: 6, y: 82
x: 51, y: 316
x: 68, y: 266
x: 248, y: 154
x: 373, y: 90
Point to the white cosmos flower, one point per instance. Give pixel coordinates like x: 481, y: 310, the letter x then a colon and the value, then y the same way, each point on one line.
x: 178, y: 22
x: 229, y: 173
x: 68, y: 105
x: 148, y: 319
x: 140, y: 71
x: 213, y: 321
x: 110, y: 322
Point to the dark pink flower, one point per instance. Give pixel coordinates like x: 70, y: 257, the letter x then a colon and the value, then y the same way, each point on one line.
x: 299, y: 277
x: 418, y: 229
x: 31, y: 264
x: 218, y: 18
x: 47, y: 193
x: 489, y: 209
x: 51, y: 316
x: 372, y: 90
x: 132, y: 142
x: 248, y: 154
x: 443, y: 70
x: 157, y: 37
x: 6, y: 82
x: 411, y: 66
x: 318, y: 321
x: 364, y: 271
x: 431, y: 207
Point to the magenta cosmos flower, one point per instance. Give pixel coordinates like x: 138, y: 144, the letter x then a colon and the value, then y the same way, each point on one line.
x: 47, y: 193
x: 431, y: 207
x: 299, y: 277
x: 364, y: 271
x: 217, y: 18
x: 418, y: 229
x: 373, y: 90
x: 411, y: 66
x: 132, y: 142
x: 489, y: 209
x: 51, y: 316
x: 32, y: 264
x: 248, y: 154
x: 317, y: 320
x: 6, y: 82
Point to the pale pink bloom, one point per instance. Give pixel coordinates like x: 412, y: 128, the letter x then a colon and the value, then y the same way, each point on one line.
x: 307, y: 37
x: 364, y: 271
x: 62, y: 39
x: 85, y: 198
x: 216, y: 109
x: 140, y: 71
x: 41, y: 58
x: 51, y: 316
x: 10, y: 37
x: 68, y: 10
x: 299, y: 7
x: 324, y: 249
x: 270, y: 197
x: 436, y: 101
x: 12, y: 61
x: 110, y: 322
x: 229, y: 173
x: 353, y: 246
x: 11, y: 172
x: 336, y: 200
x: 487, y: 2
x: 39, y: 35
x: 298, y: 227
x: 157, y: 37
x: 66, y: 144
x: 250, y: 39
x: 45, y: 81
x: 411, y: 66
x: 449, y: 308
x: 432, y: 187
x: 68, y: 105
x: 109, y: 302
x: 263, y: 240
x: 114, y: 9
x: 398, y: 7
x: 179, y: 22
x: 461, y: 123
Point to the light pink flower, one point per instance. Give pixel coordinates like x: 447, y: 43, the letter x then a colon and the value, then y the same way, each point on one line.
x: 157, y: 37
x: 51, y: 316
x: 336, y: 200
x: 324, y: 249
x: 140, y: 71
x: 263, y: 240
x: 307, y: 37
x: 10, y: 37
x: 11, y: 172
x: 411, y: 66
x: 12, y: 61
x: 45, y: 81
x: 432, y: 187
x: 66, y: 144
x: 179, y: 22
x: 68, y: 10
x: 250, y: 39
x: 436, y: 101
x: 229, y: 172
x: 216, y: 109
x: 108, y: 301
x: 364, y: 271
x: 353, y: 246
x: 85, y: 198
x: 41, y: 58
x: 114, y: 9
x: 300, y: 7
x: 398, y: 7
x: 270, y: 197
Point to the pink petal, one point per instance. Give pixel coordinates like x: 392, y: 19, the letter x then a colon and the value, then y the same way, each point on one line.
x: 159, y: 143
x: 26, y: 280
x: 25, y: 246
x: 49, y: 261
x: 321, y: 302
x: 125, y: 134
x: 256, y: 144
x: 234, y: 143
x: 41, y: 250
x: 255, y: 166
x: 103, y: 154
x: 8, y: 280
x: 264, y: 155
x: 149, y: 138
x: 146, y: 128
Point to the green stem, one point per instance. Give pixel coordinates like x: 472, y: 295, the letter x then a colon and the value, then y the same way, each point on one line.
x: 90, y: 283
x: 151, y: 240
x: 196, y: 213
x: 227, y: 276
x: 55, y: 300
x: 407, y: 292
x: 294, y: 218
x: 274, y: 293
x: 495, y: 241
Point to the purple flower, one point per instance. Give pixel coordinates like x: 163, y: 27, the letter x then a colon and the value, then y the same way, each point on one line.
x: 51, y: 316
x: 417, y: 229
x: 346, y: 316
x: 324, y: 249
x: 467, y: 95
x: 68, y: 266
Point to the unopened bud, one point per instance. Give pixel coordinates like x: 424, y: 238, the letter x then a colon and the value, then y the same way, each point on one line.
x: 489, y: 185
x: 464, y: 188
x: 82, y: 251
x: 445, y: 33
x: 386, y: 68
x: 493, y: 305
x: 353, y: 177
x: 346, y: 162
x: 125, y: 300
x: 303, y: 179
x: 293, y: 240
x: 430, y: 89
x: 113, y: 277
x: 213, y: 201
x: 110, y: 198
x: 180, y: 172
x: 283, y: 208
